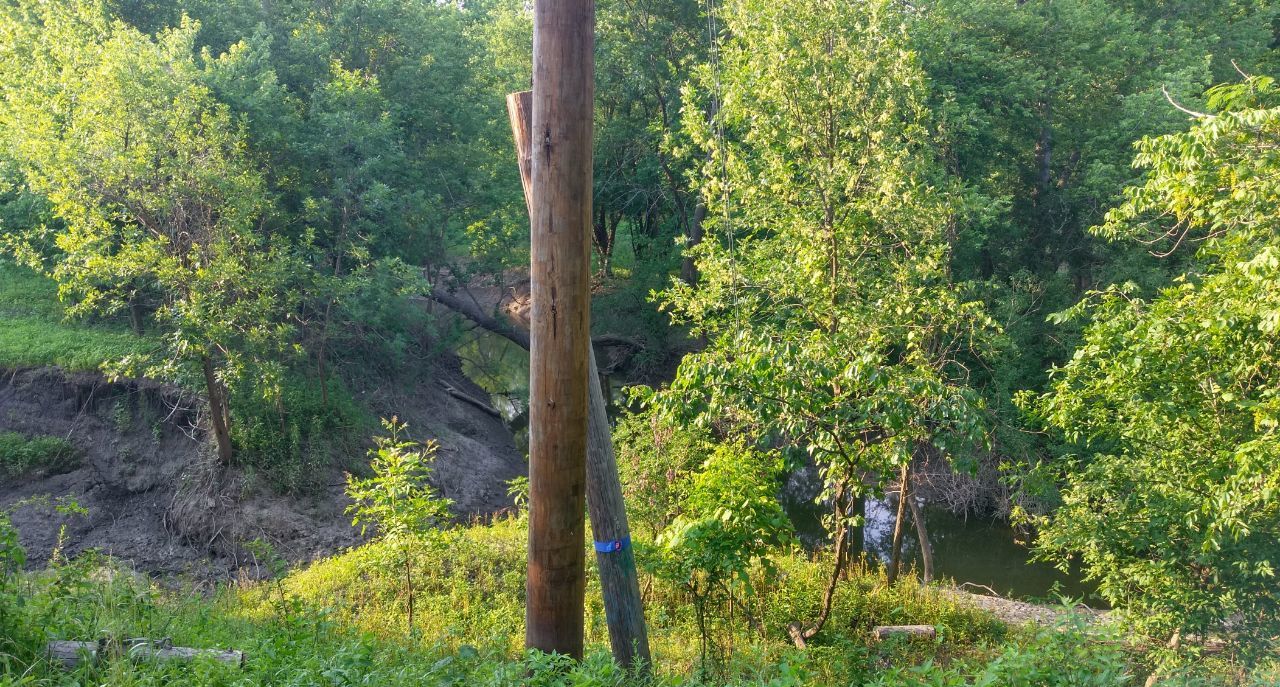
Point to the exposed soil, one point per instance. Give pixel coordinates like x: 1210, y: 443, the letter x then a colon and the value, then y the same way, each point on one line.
x: 157, y: 500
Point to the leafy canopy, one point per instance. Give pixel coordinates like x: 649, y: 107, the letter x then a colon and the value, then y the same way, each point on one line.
x: 1172, y: 499
x: 825, y: 297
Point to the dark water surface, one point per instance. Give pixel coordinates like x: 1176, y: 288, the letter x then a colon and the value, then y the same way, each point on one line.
x: 978, y: 551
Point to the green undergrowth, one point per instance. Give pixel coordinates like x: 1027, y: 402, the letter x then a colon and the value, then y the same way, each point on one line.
x: 341, y: 621
x: 35, y: 333
x: 21, y: 454
x: 472, y: 592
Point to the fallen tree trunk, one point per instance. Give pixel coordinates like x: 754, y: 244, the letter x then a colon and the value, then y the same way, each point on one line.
x: 72, y: 654
x: 468, y: 398
x: 883, y: 632
x: 509, y: 331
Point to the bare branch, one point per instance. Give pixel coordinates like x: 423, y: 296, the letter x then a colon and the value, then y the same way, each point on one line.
x: 1193, y: 113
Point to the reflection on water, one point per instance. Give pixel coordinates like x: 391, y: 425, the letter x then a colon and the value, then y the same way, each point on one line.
x: 501, y: 368
x: 975, y: 550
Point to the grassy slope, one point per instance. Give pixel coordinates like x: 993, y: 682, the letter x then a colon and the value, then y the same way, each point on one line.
x: 35, y: 333
x: 342, y: 622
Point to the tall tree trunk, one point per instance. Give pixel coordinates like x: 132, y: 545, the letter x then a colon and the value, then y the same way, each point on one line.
x: 137, y: 318
x: 895, y: 551
x: 620, y: 585
x: 922, y: 535
x: 219, y: 415
x: 840, y: 505
x: 859, y: 534
x: 689, y: 268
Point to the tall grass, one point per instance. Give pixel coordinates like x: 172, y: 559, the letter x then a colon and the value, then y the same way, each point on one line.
x: 340, y: 621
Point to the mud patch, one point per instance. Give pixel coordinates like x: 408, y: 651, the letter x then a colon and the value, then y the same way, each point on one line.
x: 159, y: 502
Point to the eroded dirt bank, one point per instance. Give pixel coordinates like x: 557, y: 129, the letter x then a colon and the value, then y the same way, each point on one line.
x: 158, y: 501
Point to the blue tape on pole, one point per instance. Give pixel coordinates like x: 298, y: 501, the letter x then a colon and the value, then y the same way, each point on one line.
x: 613, y: 545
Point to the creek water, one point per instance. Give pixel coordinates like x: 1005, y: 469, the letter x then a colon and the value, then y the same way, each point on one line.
x: 979, y: 551
x: 983, y: 552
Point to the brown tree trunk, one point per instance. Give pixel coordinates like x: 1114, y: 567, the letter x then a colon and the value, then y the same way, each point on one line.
x: 922, y: 536
x: 895, y: 551
x: 603, y: 232
x: 136, y: 317
x: 408, y: 587
x: 688, y: 268
x: 841, y: 555
x: 219, y: 415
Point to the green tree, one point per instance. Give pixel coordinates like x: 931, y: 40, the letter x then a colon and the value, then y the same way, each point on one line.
x: 158, y: 203
x: 1172, y: 498
x: 1040, y: 101
x: 833, y: 327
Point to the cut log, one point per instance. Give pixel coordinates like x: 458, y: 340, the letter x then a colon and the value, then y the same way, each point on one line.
x: 182, y: 653
x: 72, y: 654
x: 883, y: 632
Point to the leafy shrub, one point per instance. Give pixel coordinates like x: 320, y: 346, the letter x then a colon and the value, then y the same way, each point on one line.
x: 21, y: 454
x: 1172, y: 498
x: 12, y: 560
x: 291, y: 438
x: 399, y: 502
x: 1069, y: 654
x: 730, y: 522
x: 655, y: 459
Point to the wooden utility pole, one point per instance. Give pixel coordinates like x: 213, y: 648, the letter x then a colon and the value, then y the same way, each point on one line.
x: 624, y: 612
x: 560, y: 334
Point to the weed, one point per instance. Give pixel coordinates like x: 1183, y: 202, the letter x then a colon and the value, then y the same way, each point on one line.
x: 21, y: 455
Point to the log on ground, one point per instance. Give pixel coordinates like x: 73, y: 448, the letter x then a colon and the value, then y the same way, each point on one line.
x: 71, y: 654
x: 883, y: 632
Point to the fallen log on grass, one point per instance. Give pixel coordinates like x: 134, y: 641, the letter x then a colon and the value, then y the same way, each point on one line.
x: 72, y: 654
x: 883, y: 632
